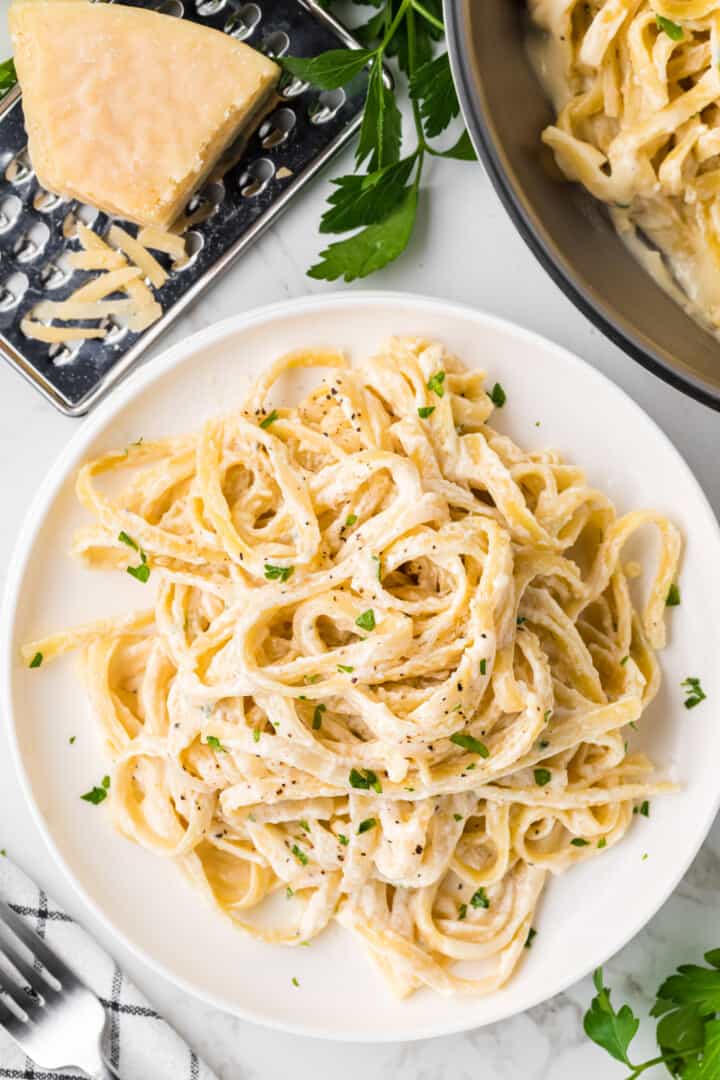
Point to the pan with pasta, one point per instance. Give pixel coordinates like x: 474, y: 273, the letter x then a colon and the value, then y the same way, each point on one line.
x: 386, y: 665
x: 636, y: 87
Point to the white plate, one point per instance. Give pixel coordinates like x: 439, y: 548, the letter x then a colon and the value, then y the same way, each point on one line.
x: 588, y: 913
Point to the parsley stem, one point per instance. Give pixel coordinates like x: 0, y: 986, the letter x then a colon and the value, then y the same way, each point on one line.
x: 661, y: 1060
x: 390, y: 32
x: 437, y: 23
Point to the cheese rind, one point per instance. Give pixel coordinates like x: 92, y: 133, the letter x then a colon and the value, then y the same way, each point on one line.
x: 128, y: 109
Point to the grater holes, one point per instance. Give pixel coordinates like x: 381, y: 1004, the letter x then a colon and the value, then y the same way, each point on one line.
x: 194, y: 243
x: 291, y: 86
x: 19, y: 170
x: 209, y: 7
x: 205, y: 202
x: 82, y: 213
x: 57, y: 271
x: 45, y: 201
x: 276, y: 129
x: 32, y: 242
x: 276, y: 44
x: 12, y: 290
x: 256, y: 178
x: 10, y: 210
x: 327, y: 105
x: 63, y: 353
x: 242, y: 23
x: 115, y: 331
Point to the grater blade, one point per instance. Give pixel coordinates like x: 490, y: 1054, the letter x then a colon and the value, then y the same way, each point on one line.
x: 38, y: 229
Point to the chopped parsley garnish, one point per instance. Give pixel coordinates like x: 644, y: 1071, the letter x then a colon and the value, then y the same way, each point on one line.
x: 97, y: 795
x: 367, y: 825
x: 462, y: 911
x: 140, y: 573
x: 521, y: 620
x: 532, y: 934
x: 694, y: 691
x: 602, y: 842
x: 497, y: 395
x: 294, y: 981
x: 435, y: 383
x: 483, y: 666
x: 256, y: 735
x: 480, y: 899
x: 304, y: 825
x: 547, y: 714
x: 578, y: 841
x: 458, y: 817
x: 214, y: 742
x: 269, y: 419
x: 426, y: 410
x: 125, y: 539
x: 376, y: 559
x: 346, y: 668
x: 36, y: 660
x: 542, y: 777
x: 624, y: 660
x: 289, y: 893
x: 299, y: 855
x: 343, y: 839
x: 673, y: 597
x: 317, y: 717
x: 350, y: 520
x: 672, y: 29
x: 310, y: 679
x: 364, y: 780
x: 645, y: 808
x: 278, y: 573
x: 468, y: 742
x: 366, y: 621
x: 72, y: 739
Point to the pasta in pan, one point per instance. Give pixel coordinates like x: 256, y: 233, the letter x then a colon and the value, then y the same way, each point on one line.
x: 636, y: 85
x: 389, y: 668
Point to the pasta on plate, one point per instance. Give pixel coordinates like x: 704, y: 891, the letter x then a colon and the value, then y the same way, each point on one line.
x: 389, y: 669
x: 636, y: 85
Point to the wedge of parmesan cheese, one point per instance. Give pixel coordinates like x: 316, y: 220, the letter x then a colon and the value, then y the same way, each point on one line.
x: 128, y: 109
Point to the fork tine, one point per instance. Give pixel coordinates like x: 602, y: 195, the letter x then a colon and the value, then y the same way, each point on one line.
x: 19, y: 995
x: 32, y: 977
x: 8, y: 1019
x: 50, y: 960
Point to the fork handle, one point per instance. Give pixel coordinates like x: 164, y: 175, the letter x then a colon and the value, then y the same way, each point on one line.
x: 103, y: 1073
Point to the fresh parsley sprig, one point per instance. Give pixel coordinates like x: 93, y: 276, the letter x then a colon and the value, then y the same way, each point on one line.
x: 382, y: 203
x: 688, y: 1029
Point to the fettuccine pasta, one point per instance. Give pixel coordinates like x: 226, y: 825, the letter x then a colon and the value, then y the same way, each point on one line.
x: 389, y: 669
x: 636, y: 86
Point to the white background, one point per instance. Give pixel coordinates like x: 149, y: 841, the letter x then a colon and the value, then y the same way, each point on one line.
x: 464, y: 249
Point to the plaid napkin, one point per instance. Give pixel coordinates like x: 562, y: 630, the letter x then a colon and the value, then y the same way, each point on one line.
x: 139, y: 1043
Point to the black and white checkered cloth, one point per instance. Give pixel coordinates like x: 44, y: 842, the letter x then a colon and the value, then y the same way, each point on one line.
x: 140, y: 1045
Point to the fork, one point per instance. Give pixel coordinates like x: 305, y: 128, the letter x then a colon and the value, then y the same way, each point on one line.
x: 52, y: 1016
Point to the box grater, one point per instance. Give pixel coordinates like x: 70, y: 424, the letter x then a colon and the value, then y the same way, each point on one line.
x: 37, y: 228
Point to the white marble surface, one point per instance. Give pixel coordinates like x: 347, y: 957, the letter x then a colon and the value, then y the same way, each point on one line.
x: 464, y: 249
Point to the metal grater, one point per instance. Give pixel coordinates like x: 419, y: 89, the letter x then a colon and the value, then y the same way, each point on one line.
x: 37, y: 228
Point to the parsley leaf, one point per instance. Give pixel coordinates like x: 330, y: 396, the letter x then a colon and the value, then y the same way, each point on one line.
x: 96, y: 795
x: 346, y: 668
x: 673, y: 30
x: 366, y: 621
x: 214, y: 742
x: 673, y: 596
x: 141, y: 572
x: 613, y: 1031
x: 694, y: 692
x: 479, y: 899
x: 436, y: 383
x: 364, y: 780
x: 278, y: 573
x: 542, y: 777
x: 36, y: 660
x: 366, y: 200
x: 426, y: 410
x: 468, y: 742
x: 8, y: 76
x: 330, y: 69
x: 366, y: 825
x: 374, y: 247
x: 432, y: 87
x: 300, y: 855
x: 381, y: 131
x: 269, y: 419
x: 462, y: 150
x: 317, y: 717
x: 497, y: 395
